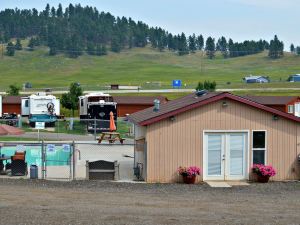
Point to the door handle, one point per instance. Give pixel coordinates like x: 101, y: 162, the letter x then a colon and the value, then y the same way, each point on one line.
x: 223, y: 157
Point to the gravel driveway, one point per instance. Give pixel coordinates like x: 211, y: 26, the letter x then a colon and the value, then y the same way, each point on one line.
x: 44, y: 202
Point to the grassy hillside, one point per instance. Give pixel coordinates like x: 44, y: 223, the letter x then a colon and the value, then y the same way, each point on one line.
x: 138, y: 66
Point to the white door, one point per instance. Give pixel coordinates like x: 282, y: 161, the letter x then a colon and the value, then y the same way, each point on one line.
x: 225, y: 156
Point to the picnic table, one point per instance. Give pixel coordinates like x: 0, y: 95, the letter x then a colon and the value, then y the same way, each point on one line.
x: 111, y: 137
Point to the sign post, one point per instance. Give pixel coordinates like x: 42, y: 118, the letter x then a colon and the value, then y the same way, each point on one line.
x: 39, y: 126
x: 176, y: 83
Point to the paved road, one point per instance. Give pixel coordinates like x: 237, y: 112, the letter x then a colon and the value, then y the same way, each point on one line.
x: 167, y: 90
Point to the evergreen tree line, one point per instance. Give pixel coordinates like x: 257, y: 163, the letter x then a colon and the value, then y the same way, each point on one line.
x: 78, y: 29
x: 295, y: 50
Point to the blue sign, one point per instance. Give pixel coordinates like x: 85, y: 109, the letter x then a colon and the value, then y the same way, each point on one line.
x: 176, y: 83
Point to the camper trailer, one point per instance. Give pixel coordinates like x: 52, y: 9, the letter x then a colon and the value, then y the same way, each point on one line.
x: 95, y: 109
x: 40, y: 107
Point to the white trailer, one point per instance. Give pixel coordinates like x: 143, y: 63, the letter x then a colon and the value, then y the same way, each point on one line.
x: 95, y: 109
x: 41, y: 108
x: 92, y: 98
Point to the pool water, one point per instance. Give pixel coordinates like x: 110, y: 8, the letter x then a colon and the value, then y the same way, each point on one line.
x: 58, y: 155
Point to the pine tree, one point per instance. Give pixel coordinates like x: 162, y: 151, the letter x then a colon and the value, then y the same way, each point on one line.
x: 200, y: 86
x: 90, y: 49
x: 210, y: 47
x: 104, y: 50
x: 171, y: 42
x: 292, y: 48
x: 276, y: 48
x: 74, y: 46
x: 192, y: 43
x: 298, y: 50
x: 53, y: 12
x: 46, y: 11
x: 10, y: 49
x: 182, y: 45
x: 59, y: 11
x: 222, y: 46
x: 101, y: 50
x: 18, y: 45
x: 200, y: 42
x: 52, y: 50
x: 31, y: 44
x: 115, y: 44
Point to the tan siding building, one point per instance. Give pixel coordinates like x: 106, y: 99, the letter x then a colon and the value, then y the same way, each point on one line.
x: 218, y: 137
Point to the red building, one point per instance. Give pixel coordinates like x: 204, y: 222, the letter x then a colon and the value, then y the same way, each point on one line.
x: 288, y: 104
x: 11, y: 104
x: 132, y: 104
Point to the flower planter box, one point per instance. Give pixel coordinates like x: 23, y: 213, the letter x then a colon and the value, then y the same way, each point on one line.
x: 262, y: 173
x: 263, y: 179
x: 189, y: 180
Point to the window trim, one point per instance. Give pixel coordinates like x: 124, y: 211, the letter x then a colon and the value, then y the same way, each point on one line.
x: 293, y: 109
x: 259, y: 149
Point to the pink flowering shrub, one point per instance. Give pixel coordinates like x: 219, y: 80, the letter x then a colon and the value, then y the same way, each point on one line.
x: 263, y: 170
x: 189, y: 171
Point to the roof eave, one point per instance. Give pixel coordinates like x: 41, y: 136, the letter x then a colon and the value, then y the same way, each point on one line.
x: 216, y: 98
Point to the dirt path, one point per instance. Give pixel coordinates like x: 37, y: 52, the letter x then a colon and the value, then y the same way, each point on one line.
x: 26, y: 202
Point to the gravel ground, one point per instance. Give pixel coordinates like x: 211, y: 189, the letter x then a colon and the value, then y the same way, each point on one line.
x: 81, y: 202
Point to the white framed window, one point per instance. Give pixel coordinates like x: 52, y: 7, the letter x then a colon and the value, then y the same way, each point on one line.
x: 259, y: 147
x: 291, y: 109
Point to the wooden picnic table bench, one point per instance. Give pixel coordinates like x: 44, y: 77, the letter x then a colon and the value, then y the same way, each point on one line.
x: 111, y: 137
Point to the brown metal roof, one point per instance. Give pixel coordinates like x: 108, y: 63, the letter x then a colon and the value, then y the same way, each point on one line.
x: 169, y: 107
x: 11, y: 100
x: 149, y: 116
x: 272, y: 100
x: 138, y: 100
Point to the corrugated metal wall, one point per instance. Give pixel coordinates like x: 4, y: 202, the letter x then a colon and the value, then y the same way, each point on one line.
x: 179, y: 143
x: 12, y: 108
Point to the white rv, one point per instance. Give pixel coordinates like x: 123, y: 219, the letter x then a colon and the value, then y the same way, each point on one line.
x: 97, y: 106
x: 40, y: 107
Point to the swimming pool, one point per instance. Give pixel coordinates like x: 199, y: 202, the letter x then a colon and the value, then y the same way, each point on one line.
x: 56, y: 155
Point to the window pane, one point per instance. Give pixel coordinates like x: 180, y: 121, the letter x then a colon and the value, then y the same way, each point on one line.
x: 258, y: 157
x: 259, y: 139
x: 291, y: 109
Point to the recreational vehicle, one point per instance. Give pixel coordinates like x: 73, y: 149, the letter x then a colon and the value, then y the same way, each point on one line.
x: 41, y: 108
x: 95, y: 109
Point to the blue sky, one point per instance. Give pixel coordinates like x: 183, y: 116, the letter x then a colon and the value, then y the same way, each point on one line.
x: 238, y: 19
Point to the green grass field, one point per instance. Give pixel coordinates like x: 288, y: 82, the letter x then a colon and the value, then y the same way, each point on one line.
x: 138, y: 66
